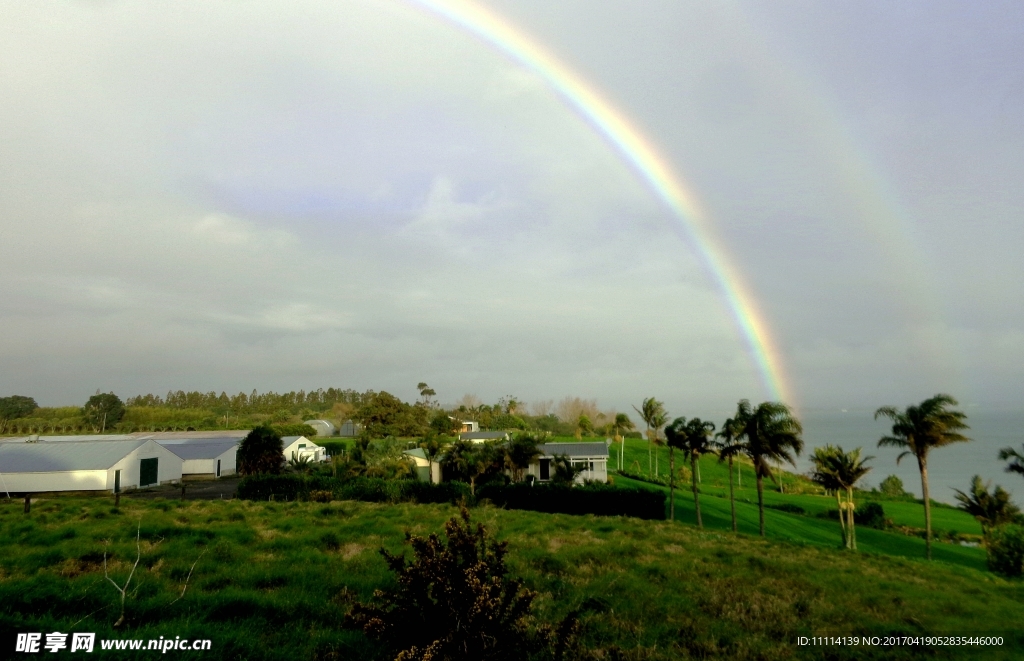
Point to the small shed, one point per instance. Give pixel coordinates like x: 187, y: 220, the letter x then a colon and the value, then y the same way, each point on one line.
x: 297, y: 447
x: 205, y: 458
x: 592, y: 457
x: 86, y: 465
x: 426, y: 470
x: 350, y: 429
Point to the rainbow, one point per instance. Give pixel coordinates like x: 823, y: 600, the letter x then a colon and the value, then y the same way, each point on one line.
x: 643, y: 159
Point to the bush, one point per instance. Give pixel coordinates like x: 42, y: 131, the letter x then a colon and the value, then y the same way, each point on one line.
x: 870, y: 515
x: 1006, y: 550
x: 323, y: 488
x: 265, y: 486
x: 457, y: 600
x: 601, y: 499
x: 787, y: 507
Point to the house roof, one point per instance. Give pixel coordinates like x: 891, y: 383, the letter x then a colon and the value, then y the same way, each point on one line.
x: 74, y: 438
x: 416, y: 452
x: 45, y: 457
x: 162, y: 436
x: 198, y: 450
x: 470, y: 435
x: 584, y: 449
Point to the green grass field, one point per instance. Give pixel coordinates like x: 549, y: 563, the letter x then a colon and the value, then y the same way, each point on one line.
x: 273, y: 580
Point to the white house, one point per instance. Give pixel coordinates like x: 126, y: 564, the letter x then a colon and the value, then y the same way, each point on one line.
x: 86, y: 465
x: 426, y: 470
x: 205, y: 458
x: 592, y: 457
x: 297, y: 447
x: 324, y: 428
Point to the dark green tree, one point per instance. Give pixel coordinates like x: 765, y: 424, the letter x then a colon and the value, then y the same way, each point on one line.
x: 693, y: 438
x: 770, y: 433
x: 519, y: 454
x: 1016, y: 460
x: 103, y: 410
x: 13, y: 407
x: 917, y: 430
x: 472, y: 462
x: 990, y: 509
x: 892, y: 486
x: 443, y: 424
x: 261, y: 451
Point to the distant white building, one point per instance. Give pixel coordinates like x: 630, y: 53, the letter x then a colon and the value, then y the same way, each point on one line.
x: 205, y: 458
x: 86, y: 464
x: 324, y: 428
x: 297, y: 447
x: 426, y: 470
x: 592, y: 457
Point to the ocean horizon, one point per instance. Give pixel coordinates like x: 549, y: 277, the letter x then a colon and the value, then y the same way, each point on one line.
x: 949, y: 468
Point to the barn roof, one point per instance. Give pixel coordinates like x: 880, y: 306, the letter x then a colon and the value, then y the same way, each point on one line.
x: 201, y: 450
x: 588, y: 449
x: 44, y: 457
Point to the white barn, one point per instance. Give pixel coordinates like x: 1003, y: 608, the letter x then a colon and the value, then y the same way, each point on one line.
x: 426, y: 470
x: 86, y: 465
x: 297, y: 447
x: 592, y: 457
x: 205, y: 458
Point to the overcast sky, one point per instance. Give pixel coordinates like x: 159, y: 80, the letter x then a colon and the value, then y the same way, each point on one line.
x: 286, y: 195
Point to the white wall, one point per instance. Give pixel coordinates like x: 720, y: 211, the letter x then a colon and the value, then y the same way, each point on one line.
x: 92, y: 480
x: 209, y: 466
x: 314, y: 451
x: 168, y: 468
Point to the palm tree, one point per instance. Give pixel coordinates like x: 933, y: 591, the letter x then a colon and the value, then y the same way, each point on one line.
x: 622, y: 423
x: 694, y: 439
x: 520, y: 452
x: 675, y: 434
x: 1015, y: 466
x: 584, y: 427
x: 771, y: 433
x: 654, y: 415
x: 824, y: 474
x: 918, y: 429
x: 990, y: 509
x: 840, y: 470
x: 728, y: 447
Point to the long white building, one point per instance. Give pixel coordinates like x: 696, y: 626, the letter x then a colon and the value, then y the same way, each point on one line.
x: 86, y: 465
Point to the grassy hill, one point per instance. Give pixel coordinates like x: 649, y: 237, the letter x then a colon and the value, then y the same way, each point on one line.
x: 273, y: 580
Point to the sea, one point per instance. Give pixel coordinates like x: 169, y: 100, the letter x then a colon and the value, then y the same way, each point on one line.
x: 950, y: 467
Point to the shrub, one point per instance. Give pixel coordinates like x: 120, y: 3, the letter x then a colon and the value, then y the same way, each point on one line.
x: 456, y: 600
x: 601, y: 499
x: 263, y: 487
x: 871, y: 515
x: 334, y: 448
x: 1006, y: 550
x: 321, y: 496
x: 787, y: 507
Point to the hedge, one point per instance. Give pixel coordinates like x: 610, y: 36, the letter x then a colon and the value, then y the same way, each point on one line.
x: 600, y: 499
x: 370, y: 489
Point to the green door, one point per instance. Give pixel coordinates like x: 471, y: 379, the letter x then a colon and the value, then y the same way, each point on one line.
x: 148, y: 472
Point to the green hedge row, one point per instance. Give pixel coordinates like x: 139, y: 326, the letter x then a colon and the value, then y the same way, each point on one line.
x: 370, y: 489
x: 601, y: 499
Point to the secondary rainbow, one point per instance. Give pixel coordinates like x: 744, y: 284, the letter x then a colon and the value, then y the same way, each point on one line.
x: 648, y: 164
